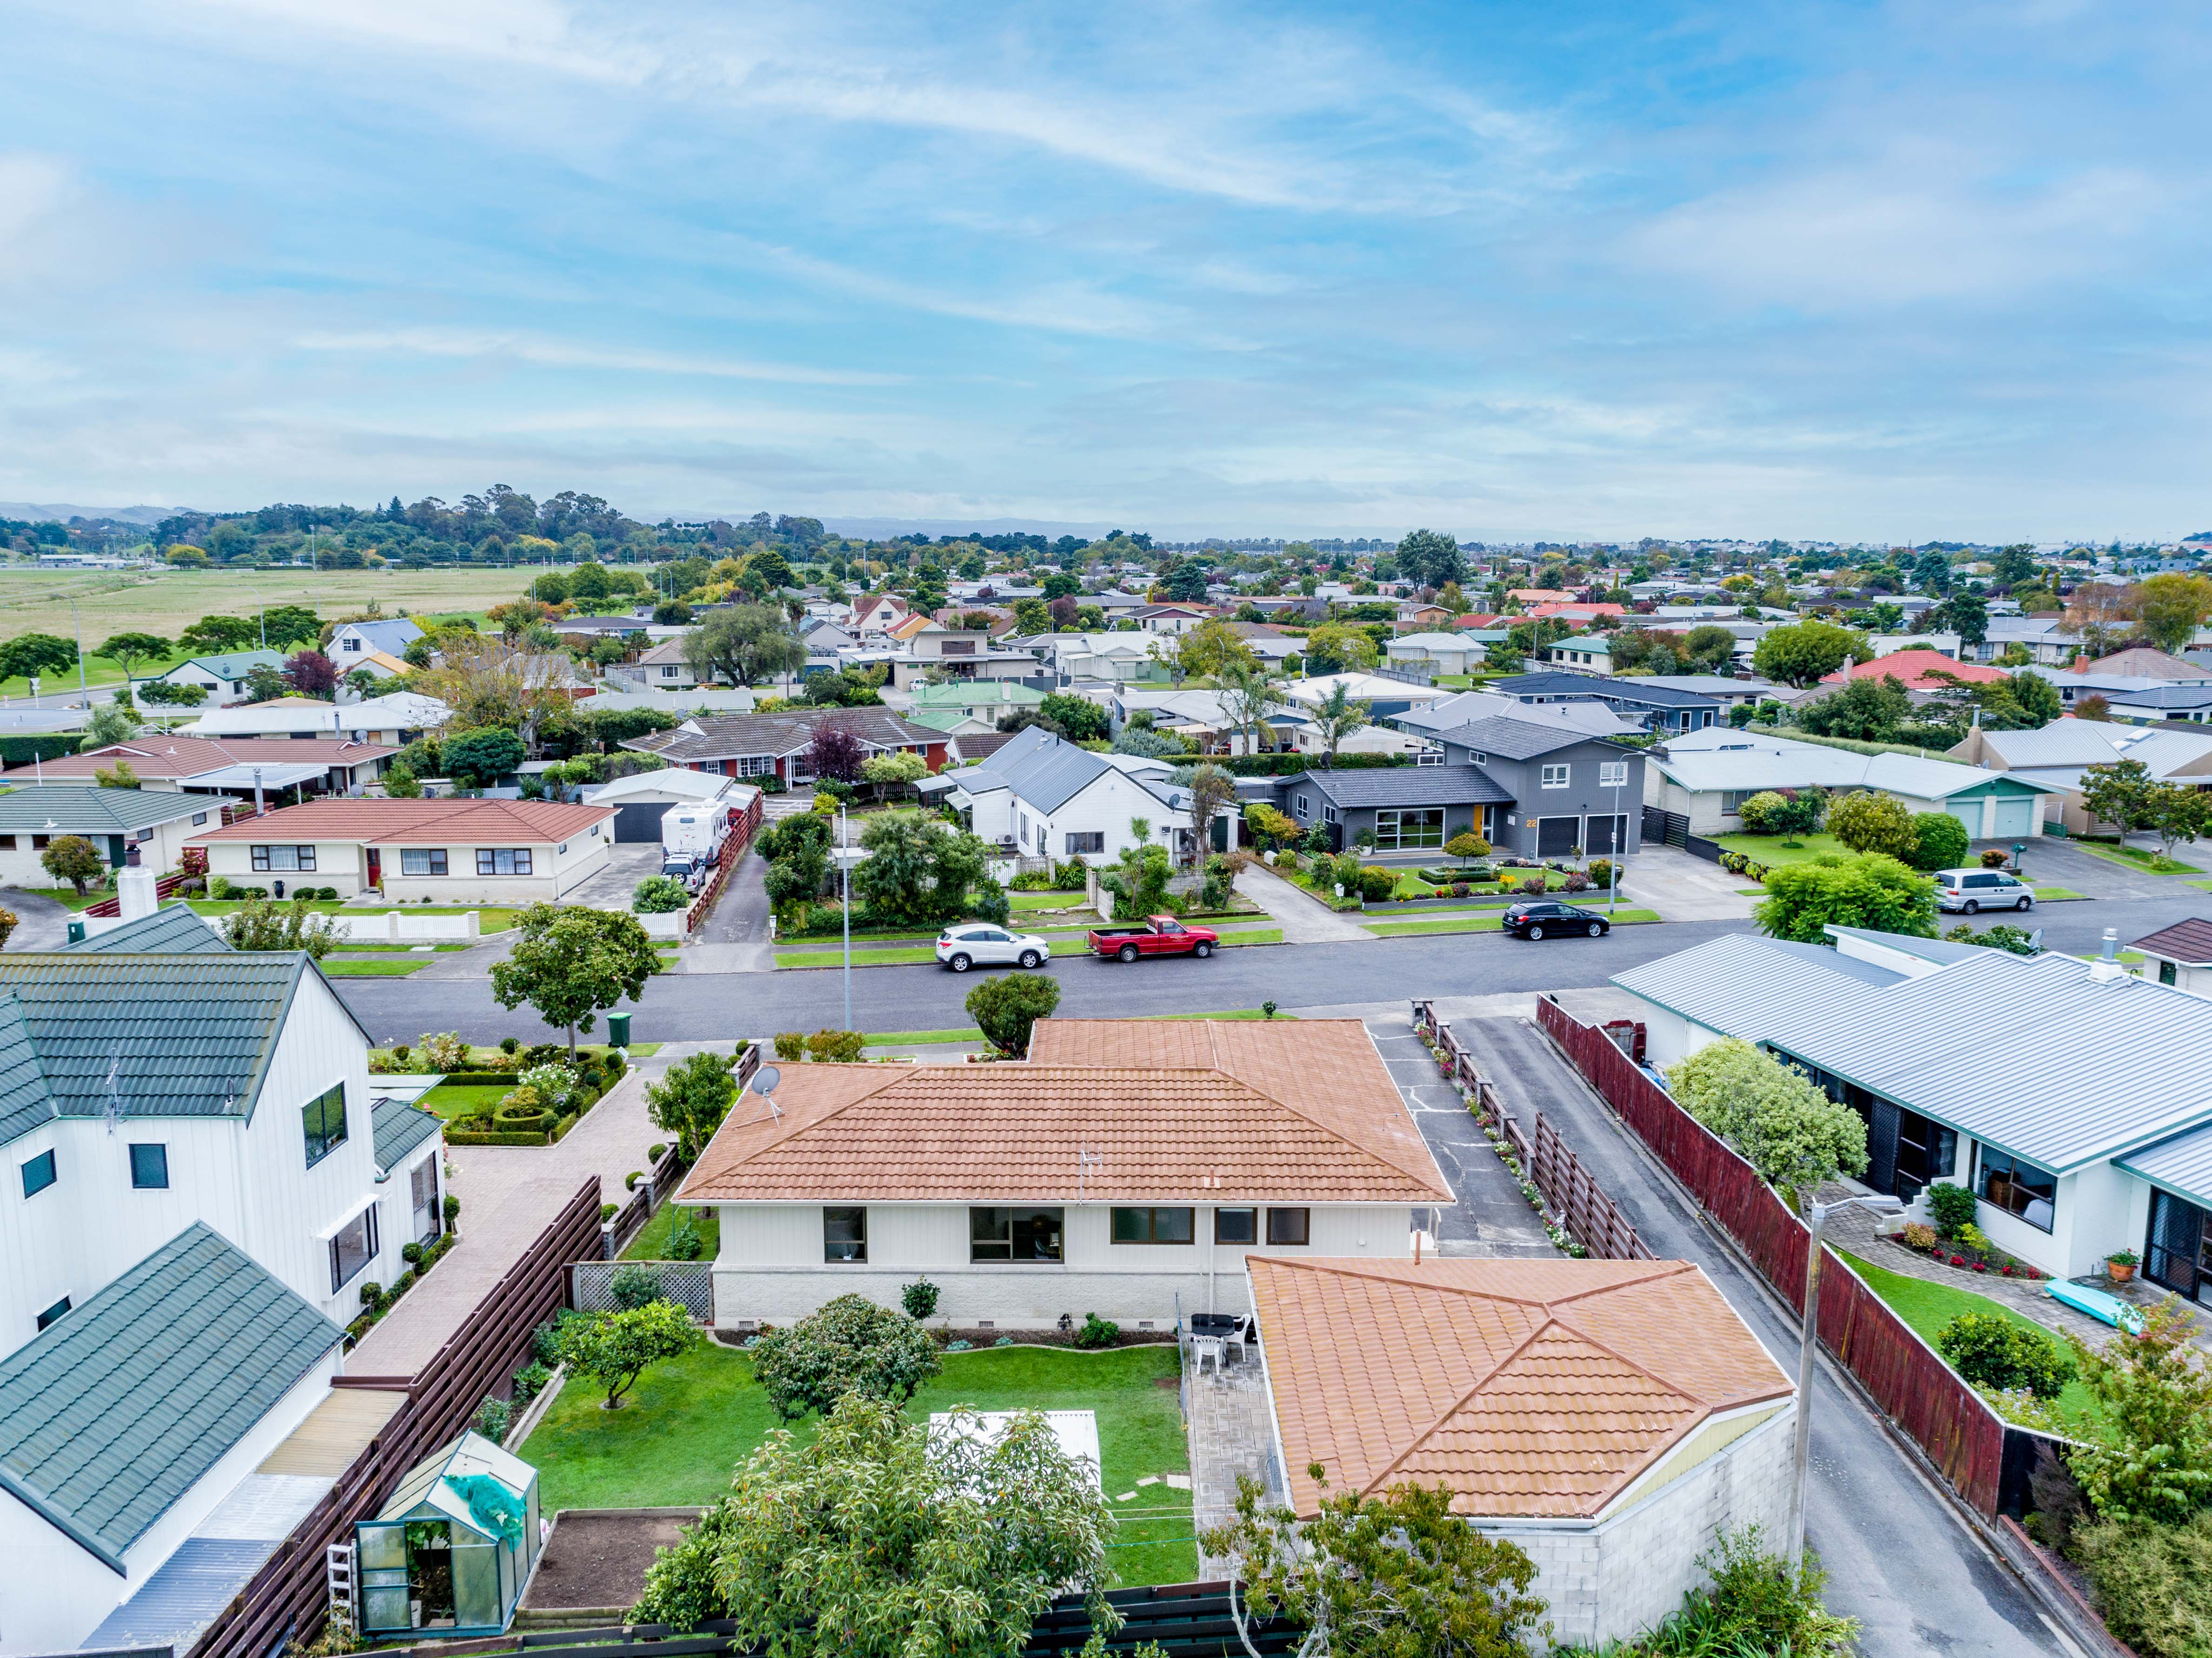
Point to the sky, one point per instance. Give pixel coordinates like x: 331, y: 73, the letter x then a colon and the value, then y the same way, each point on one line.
x: 1810, y: 269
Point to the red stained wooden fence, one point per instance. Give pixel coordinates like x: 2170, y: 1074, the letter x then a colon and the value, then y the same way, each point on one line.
x: 733, y: 847
x: 1960, y: 1434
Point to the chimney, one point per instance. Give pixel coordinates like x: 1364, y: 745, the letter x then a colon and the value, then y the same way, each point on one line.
x: 134, y: 893
x: 2106, y: 968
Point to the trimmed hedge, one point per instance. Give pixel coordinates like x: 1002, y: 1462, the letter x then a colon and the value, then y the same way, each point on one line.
x: 1290, y: 765
x: 469, y: 1137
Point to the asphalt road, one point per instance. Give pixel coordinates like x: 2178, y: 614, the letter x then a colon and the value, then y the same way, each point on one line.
x: 1898, y: 1560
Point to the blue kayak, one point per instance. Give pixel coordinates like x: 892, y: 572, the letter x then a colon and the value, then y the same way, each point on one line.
x: 2097, y: 1304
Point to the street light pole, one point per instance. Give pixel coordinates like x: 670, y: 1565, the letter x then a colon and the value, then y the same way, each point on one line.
x: 845, y: 877
x: 84, y: 696
x: 1816, y: 1223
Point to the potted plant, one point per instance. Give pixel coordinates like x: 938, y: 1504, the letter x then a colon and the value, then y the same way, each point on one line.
x: 2120, y: 1266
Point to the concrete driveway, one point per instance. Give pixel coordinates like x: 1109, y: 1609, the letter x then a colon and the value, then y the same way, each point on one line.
x: 610, y: 888
x: 40, y: 923
x: 1685, y: 889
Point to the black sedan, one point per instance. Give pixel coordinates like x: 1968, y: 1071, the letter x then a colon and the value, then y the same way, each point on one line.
x: 1542, y: 919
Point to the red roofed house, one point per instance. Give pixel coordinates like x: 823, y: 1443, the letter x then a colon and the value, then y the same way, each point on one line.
x: 226, y: 765
x: 447, y: 852
x: 1914, y: 670
x: 1575, y: 610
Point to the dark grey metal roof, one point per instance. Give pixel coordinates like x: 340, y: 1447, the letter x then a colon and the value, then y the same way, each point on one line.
x: 172, y: 929
x: 87, y: 810
x: 400, y: 1126
x: 734, y: 736
x: 1046, y: 771
x: 1632, y: 689
x: 1516, y: 739
x: 1406, y: 786
x: 114, y: 1411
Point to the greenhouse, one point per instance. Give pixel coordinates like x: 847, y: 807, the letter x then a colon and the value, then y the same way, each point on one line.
x: 453, y: 1548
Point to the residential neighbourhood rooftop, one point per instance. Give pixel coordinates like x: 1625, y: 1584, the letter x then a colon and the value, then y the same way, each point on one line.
x: 420, y: 822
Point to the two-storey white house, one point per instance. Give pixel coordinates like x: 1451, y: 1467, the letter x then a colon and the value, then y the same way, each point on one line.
x: 191, y: 1201
x: 1128, y: 1168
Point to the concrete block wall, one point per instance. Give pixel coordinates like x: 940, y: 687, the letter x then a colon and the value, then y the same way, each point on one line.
x: 1013, y: 1298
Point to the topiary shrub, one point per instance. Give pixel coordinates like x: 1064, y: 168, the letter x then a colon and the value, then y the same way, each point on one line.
x: 1951, y: 1207
x: 1939, y: 841
x: 1097, y: 1332
x: 1993, y: 1351
x: 1376, y: 884
x: 920, y: 1299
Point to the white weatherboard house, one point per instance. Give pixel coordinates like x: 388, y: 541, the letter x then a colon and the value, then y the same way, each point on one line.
x: 2069, y: 1096
x: 1041, y: 796
x: 446, y: 851
x: 191, y: 1201
x: 1128, y: 1168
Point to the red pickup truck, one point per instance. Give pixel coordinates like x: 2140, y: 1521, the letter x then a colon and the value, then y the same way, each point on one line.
x: 1161, y: 935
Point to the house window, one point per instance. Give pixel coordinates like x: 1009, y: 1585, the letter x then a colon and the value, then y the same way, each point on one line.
x: 2017, y: 1188
x: 280, y: 858
x: 1328, y: 812
x: 1085, y: 840
x: 2165, y: 972
x: 668, y: 670
x: 756, y: 765
x: 199, y: 817
x: 1554, y: 777
x: 1237, y: 1226
x: 54, y: 1312
x: 149, y: 1168
x: 844, y: 1234
x: 1016, y: 1235
x: 1732, y: 800
x: 1152, y: 1226
x: 352, y: 1248
x: 323, y: 1121
x: 1396, y: 831
x: 1612, y: 773
x: 39, y: 1173
x: 40, y: 842
x: 353, y: 645
x: 1287, y: 1226
x: 502, y: 860
x: 423, y: 861
x: 1302, y: 807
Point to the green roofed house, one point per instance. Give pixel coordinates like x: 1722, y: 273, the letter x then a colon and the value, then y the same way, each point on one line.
x: 128, y: 827
x: 195, y: 1185
x: 971, y: 704
x: 222, y: 677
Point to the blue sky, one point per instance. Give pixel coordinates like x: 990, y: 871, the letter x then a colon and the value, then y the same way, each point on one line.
x: 1899, y: 271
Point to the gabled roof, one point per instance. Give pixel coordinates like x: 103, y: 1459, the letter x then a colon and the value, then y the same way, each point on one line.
x: 1646, y: 691
x: 1406, y: 786
x: 174, y: 929
x: 1514, y: 739
x: 1046, y: 771
x: 732, y: 736
x: 394, y: 634
x: 400, y: 1125
x: 2188, y: 942
x: 1915, y: 670
x: 1529, y: 1388
x: 230, y: 665
x: 112, y: 1413
x: 1189, y: 1115
x: 419, y: 822
x: 78, y: 809
x: 2143, y: 662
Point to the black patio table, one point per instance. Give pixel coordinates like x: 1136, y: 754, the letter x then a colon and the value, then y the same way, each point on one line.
x: 1215, y: 1324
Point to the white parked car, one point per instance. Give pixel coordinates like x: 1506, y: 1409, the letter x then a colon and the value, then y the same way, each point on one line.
x: 1972, y: 889
x: 979, y: 944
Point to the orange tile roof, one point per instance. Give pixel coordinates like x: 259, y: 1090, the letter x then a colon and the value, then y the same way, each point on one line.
x: 1164, y: 1129
x: 1528, y: 1386
x: 390, y: 823
x: 1915, y: 670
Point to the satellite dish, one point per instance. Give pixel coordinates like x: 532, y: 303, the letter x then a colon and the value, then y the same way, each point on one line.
x: 766, y: 1078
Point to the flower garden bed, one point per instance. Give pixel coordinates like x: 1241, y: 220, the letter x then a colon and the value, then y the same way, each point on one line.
x: 1968, y: 1256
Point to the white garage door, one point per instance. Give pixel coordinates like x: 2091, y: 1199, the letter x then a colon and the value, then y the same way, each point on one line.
x: 1968, y: 812
x: 2016, y: 817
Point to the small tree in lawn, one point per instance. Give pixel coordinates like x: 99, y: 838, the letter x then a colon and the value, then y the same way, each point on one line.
x: 1468, y: 847
x: 614, y: 1349
x: 887, y: 771
x: 73, y: 859
x: 691, y: 1100
x: 2119, y: 792
x: 2174, y: 813
x: 482, y: 756
x: 128, y: 650
x: 1397, y: 1575
x: 1274, y: 828
x: 837, y: 752
x: 1212, y: 792
x: 1939, y: 841
x: 569, y: 963
x: 1872, y: 890
x: 1006, y: 1010
x: 849, y: 1345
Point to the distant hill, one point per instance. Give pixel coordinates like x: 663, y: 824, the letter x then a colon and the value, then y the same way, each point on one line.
x: 883, y: 529
x: 61, y: 511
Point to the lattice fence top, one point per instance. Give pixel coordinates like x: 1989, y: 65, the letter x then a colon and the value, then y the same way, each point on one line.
x: 690, y: 1282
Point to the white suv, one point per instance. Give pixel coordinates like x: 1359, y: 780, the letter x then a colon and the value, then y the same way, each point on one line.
x: 973, y: 944
x: 1969, y: 890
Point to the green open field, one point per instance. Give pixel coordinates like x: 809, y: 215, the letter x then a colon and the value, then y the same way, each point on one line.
x: 691, y: 1421
x: 345, y: 967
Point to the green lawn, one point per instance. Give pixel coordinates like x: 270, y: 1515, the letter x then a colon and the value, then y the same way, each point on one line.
x: 454, y: 1100
x: 688, y: 1423
x: 2139, y: 858
x: 1055, y: 899
x: 1929, y: 1307
x: 1483, y: 924
x: 804, y: 958
x: 1768, y: 848
x: 344, y: 967
x: 920, y: 1038
x: 652, y: 1243
x: 390, y: 949
x: 2061, y: 894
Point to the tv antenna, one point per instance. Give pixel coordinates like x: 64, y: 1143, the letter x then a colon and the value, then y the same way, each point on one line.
x: 114, y: 1112
x: 764, y: 1084
x: 1085, y: 1160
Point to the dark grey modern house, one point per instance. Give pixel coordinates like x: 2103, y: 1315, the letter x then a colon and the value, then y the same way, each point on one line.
x: 1660, y: 706
x: 1529, y: 790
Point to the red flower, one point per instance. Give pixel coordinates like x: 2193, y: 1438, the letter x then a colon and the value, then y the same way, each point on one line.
x: 2006, y: 1270
x: 1981, y: 1266
x: 1958, y: 1260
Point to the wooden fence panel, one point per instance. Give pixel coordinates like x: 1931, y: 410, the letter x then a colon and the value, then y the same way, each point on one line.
x: 1907, y: 1377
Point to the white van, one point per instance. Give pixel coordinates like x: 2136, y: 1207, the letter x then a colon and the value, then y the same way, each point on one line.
x: 1969, y: 890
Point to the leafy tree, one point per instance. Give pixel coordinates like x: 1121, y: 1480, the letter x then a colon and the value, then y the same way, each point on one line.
x: 914, y: 1541
x: 1787, y: 812
x: 1872, y: 890
x: 186, y: 557
x: 893, y: 767
x: 110, y: 722
x: 257, y: 923
x: 119, y: 776
x: 1248, y: 695
x: 1866, y: 821
x: 836, y: 751
x: 36, y: 654
x: 1709, y: 649
x: 1144, y: 741
x: 1212, y: 792
x: 1866, y: 710
x: 2093, y: 707
x: 1203, y: 651
x: 265, y: 684
x: 2100, y: 615
x: 1773, y: 1115
x: 73, y: 859
x: 400, y: 783
x: 1333, y: 647
x: 1394, y: 1576
x: 1079, y: 719
x: 2172, y: 607
x: 2014, y: 566
x: 1432, y: 557
x: 311, y: 674
x: 2148, y: 1455
x: 615, y: 1348
x: 570, y: 961
x: 744, y: 644
x: 1274, y: 827
x: 1338, y: 715
x: 1032, y: 616
x: 1186, y: 583
x: 1967, y: 615
x: 847, y: 1345
x: 212, y: 635
x: 127, y: 650
x: 919, y: 870
x: 660, y: 895
x: 1006, y: 1009
x: 671, y: 613
x: 291, y: 625
x: 1807, y: 652
x: 482, y: 756
x: 2174, y: 813
x: 2119, y: 792
x: 1468, y: 847
x: 1939, y: 841
x: 169, y: 694
x: 690, y: 1100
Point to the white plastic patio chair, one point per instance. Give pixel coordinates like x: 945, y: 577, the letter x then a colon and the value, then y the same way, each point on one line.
x: 1203, y: 1348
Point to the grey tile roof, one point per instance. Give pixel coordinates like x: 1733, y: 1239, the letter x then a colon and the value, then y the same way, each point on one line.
x: 732, y: 736
x: 187, y: 1036
x: 400, y: 1126
x: 1044, y: 770
x: 174, y: 929
x: 1516, y: 739
x: 1406, y: 786
x: 2028, y: 1053
x: 75, y: 809
x: 2188, y: 941
x: 2182, y: 1164
x: 110, y: 1414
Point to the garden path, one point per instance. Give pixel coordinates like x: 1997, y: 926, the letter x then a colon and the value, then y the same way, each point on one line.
x: 1305, y: 920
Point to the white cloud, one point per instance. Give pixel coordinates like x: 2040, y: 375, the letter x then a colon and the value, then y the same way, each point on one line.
x: 561, y: 354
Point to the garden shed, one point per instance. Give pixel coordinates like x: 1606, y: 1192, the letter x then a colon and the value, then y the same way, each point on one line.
x: 453, y: 1548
